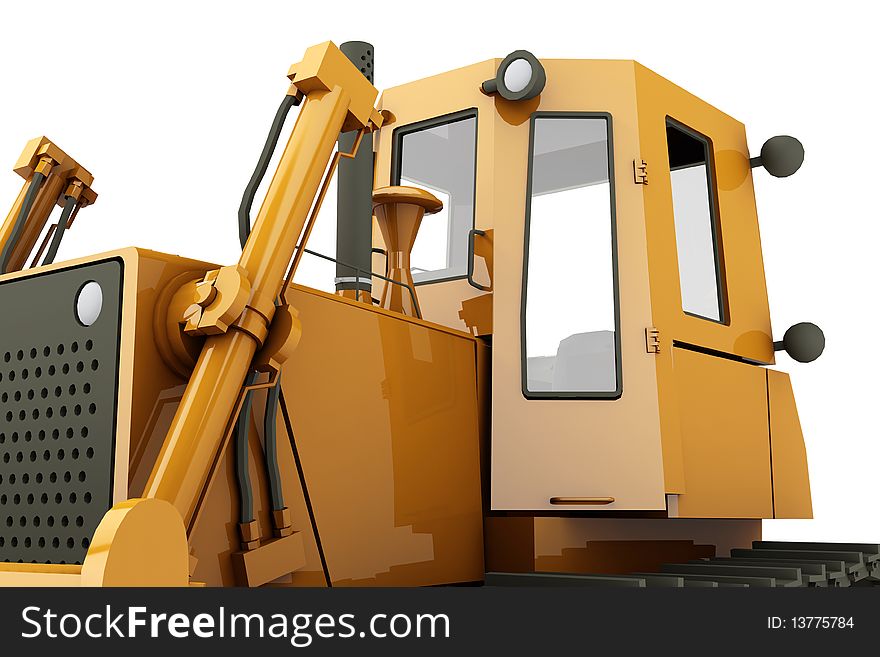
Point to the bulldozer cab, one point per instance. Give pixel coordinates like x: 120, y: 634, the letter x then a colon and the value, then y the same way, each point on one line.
x: 599, y: 229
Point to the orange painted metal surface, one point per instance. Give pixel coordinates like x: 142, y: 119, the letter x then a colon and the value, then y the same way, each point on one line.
x: 385, y: 415
x: 725, y: 437
x: 791, y: 476
x: 385, y: 421
x: 747, y: 332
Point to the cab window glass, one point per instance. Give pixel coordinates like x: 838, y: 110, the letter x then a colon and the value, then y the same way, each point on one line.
x: 570, y: 326
x: 696, y: 233
x: 441, y: 158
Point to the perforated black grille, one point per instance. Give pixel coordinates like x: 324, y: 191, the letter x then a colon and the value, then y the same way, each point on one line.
x: 58, y: 382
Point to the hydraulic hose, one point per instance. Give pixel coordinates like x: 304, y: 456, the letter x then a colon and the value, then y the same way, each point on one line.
x: 69, y: 207
x: 242, y: 473
x: 273, y: 473
x: 247, y: 200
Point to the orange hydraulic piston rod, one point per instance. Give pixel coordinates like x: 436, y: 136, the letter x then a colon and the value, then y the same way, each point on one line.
x: 196, y: 434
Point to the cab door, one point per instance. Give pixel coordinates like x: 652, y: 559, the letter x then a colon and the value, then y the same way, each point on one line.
x: 709, y: 303
x: 575, y: 418
x: 707, y: 266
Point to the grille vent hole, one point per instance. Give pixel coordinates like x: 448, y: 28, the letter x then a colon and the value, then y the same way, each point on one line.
x: 46, y: 391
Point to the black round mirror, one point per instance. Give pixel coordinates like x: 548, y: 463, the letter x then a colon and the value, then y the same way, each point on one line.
x: 781, y: 156
x: 804, y: 342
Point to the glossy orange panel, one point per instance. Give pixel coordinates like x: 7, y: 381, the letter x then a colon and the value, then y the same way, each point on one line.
x: 747, y: 331
x: 725, y: 438
x: 384, y: 411
x: 791, y: 477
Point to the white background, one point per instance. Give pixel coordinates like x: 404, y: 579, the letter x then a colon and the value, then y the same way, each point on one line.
x: 168, y: 104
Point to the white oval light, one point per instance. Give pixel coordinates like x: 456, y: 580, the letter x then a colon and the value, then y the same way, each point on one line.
x: 89, y: 302
x: 517, y: 75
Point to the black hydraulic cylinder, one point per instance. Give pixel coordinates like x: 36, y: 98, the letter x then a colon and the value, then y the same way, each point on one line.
x: 354, y: 195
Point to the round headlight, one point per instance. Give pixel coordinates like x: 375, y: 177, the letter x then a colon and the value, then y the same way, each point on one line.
x: 89, y: 302
x: 520, y: 77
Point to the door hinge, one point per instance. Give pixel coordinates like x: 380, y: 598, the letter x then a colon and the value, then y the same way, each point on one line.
x: 640, y: 171
x: 652, y: 340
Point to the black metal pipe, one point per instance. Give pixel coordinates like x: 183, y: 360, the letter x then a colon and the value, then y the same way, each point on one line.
x: 354, y: 192
x: 69, y: 207
x: 29, y: 197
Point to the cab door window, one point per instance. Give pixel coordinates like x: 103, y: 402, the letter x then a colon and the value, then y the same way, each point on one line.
x: 570, y: 332
x: 696, y: 228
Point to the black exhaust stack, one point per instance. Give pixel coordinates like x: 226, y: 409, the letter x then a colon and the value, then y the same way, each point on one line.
x: 354, y: 196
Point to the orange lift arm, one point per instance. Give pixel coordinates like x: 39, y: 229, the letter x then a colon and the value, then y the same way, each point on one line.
x: 51, y: 176
x: 234, y: 306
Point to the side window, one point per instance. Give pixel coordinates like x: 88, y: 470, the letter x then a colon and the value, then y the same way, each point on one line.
x: 440, y: 157
x: 571, y: 345
x: 696, y: 230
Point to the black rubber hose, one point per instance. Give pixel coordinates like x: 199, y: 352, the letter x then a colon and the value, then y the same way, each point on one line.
x: 273, y: 473
x: 247, y: 200
x: 242, y: 474
x: 69, y: 206
x: 29, y: 197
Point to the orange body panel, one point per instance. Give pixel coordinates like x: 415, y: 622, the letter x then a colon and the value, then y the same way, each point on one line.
x: 725, y: 438
x: 747, y: 332
x: 791, y: 478
x: 385, y: 419
x: 386, y: 422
